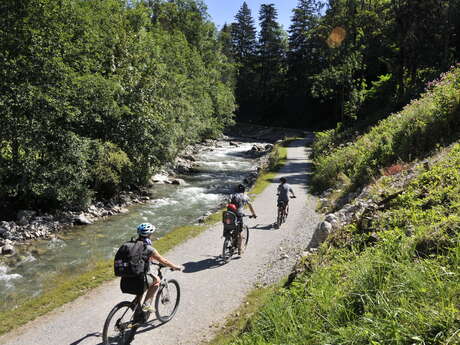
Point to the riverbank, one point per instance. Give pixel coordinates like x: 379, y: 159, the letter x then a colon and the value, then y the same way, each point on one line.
x: 31, y: 225
x: 211, y: 291
x: 65, y: 288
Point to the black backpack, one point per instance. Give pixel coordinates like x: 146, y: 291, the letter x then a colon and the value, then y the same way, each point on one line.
x: 130, y: 260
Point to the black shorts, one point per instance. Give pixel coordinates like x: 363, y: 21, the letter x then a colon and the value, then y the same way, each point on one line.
x: 282, y: 203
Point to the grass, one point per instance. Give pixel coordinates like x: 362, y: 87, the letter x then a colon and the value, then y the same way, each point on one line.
x: 68, y: 288
x: 240, y: 319
x: 394, y: 280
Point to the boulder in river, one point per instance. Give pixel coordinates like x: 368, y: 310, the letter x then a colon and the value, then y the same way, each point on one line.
x: 8, y: 249
x: 82, y: 220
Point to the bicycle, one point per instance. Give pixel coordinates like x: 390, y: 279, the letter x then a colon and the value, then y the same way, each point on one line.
x: 283, y: 211
x: 124, y: 319
x: 231, y: 238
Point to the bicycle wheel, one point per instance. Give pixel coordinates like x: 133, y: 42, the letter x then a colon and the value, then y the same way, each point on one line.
x: 167, y: 300
x: 227, y: 249
x: 279, y: 218
x: 119, y: 327
x: 245, y: 237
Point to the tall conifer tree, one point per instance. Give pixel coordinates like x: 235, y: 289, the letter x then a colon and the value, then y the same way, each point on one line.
x: 272, y: 49
x: 244, y: 51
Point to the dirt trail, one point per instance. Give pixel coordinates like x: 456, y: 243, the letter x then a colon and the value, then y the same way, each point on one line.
x: 210, y: 291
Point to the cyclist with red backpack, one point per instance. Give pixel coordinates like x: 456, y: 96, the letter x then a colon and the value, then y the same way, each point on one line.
x: 240, y: 200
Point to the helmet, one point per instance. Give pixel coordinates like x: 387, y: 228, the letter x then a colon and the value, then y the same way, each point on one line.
x: 241, y: 188
x: 145, y: 229
x: 283, y: 180
x: 231, y: 207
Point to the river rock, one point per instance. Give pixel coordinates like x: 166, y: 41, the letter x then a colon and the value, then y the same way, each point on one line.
x: 178, y: 181
x: 158, y: 179
x: 8, y: 249
x: 231, y: 143
x: 82, y: 220
x: 3, y: 233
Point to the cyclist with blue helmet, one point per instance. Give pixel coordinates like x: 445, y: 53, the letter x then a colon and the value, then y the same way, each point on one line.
x: 144, y: 231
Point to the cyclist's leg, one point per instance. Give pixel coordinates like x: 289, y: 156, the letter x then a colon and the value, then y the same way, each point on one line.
x: 239, y: 234
x: 153, y: 282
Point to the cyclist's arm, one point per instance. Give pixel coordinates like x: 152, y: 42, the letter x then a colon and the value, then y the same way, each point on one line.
x: 156, y: 256
x: 292, y: 192
x: 252, y: 210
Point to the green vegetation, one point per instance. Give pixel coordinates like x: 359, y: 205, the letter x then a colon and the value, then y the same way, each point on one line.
x: 241, y: 318
x: 340, y: 61
x: 432, y: 120
x: 95, y: 95
x: 68, y: 288
x: 392, y: 276
x: 392, y: 280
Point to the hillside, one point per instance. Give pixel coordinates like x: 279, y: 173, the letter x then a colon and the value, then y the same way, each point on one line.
x: 388, y: 270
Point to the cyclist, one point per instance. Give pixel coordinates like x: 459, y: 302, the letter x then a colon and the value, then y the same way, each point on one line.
x: 240, y: 199
x: 152, y: 282
x: 283, y: 194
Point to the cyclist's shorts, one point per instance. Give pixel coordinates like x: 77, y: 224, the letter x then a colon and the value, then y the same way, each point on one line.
x: 282, y: 203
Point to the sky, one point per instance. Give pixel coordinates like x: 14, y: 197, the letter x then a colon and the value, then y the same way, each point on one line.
x: 223, y: 11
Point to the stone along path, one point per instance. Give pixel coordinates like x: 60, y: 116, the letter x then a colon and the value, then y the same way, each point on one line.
x: 210, y: 291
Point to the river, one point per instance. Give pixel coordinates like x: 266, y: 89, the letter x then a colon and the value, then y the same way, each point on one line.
x: 35, y: 267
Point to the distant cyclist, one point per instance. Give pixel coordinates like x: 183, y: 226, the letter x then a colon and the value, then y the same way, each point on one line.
x: 283, y: 193
x: 144, y: 231
x: 240, y: 200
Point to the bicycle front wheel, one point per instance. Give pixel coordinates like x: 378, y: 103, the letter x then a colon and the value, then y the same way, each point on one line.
x: 167, y: 300
x: 119, y: 327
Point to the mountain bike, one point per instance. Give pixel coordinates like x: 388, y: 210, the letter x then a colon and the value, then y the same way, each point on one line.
x: 127, y: 316
x: 282, y: 212
x: 230, y: 246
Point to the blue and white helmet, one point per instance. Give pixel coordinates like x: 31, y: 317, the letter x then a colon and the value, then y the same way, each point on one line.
x: 145, y: 229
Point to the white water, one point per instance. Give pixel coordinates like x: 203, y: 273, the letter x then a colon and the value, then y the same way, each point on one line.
x: 74, y: 251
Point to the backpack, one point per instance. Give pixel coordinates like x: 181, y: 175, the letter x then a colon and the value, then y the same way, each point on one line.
x: 130, y: 260
x: 229, y: 220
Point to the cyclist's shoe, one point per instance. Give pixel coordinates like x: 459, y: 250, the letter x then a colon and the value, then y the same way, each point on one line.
x: 148, y: 308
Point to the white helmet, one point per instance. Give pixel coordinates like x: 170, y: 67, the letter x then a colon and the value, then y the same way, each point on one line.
x: 145, y: 229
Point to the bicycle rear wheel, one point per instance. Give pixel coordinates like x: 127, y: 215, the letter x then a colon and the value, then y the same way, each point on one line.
x: 119, y: 327
x: 279, y: 219
x: 227, y: 249
x: 167, y: 300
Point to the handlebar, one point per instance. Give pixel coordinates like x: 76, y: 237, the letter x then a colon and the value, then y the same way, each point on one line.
x: 161, y: 266
x: 248, y: 216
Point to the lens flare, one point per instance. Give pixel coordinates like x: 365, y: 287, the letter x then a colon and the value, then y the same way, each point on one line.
x: 336, y: 37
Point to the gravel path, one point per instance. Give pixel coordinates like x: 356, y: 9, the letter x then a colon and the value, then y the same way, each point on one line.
x: 210, y: 291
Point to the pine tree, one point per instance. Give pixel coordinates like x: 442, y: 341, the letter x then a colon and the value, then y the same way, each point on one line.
x: 272, y: 49
x: 304, y: 45
x: 244, y: 35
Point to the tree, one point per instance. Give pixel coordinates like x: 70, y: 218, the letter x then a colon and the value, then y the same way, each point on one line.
x: 272, y: 48
x: 244, y: 44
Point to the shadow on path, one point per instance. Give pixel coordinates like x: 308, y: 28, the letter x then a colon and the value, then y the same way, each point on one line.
x: 89, y: 335
x: 196, y: 266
